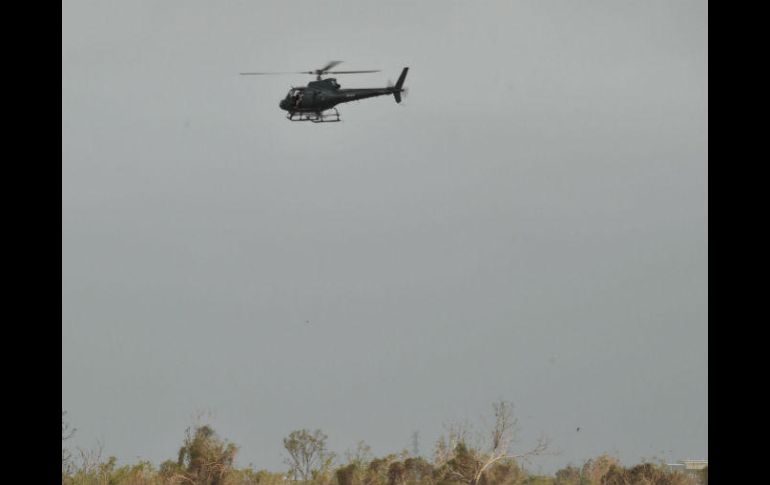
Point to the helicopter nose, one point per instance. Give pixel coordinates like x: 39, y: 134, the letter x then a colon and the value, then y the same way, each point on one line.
x: 282, y: 104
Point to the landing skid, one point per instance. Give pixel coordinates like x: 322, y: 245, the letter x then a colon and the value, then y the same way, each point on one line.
x: 315, y: 117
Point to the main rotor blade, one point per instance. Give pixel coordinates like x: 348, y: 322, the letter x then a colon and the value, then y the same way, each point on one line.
x: 328, y: 66
x: 271, y: 73
x: 348, y: 72
x: 317, y: 72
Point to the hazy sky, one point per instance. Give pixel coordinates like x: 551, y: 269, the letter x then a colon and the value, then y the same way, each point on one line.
x: 530, y: 224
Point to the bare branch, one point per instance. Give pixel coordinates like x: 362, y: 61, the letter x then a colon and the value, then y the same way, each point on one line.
x: 468, y: 463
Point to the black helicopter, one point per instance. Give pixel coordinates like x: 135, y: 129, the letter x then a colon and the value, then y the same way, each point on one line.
x: 309, y: 103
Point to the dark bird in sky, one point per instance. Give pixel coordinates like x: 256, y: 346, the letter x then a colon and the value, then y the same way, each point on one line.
x: 578, y: 430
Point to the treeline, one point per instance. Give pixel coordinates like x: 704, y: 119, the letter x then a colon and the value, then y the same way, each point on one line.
x: 460, y: 458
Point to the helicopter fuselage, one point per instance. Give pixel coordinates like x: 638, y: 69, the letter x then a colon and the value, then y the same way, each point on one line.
x: 325, y: 94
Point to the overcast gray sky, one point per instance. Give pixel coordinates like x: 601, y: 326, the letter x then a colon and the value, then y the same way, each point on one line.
x: 530, y: 224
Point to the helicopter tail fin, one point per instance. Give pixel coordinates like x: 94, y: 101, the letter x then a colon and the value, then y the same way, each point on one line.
x: 399, y: 87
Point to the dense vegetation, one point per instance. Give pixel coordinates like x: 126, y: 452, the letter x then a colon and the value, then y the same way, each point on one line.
x: 459, y: 459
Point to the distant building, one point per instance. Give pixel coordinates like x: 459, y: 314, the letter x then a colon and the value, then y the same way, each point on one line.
x: 688, y: 466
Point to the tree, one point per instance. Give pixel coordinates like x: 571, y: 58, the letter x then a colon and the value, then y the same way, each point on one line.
x: 466, y: 463
x: 504, y: 472
x: 308, y: 455
x: 396, y: 473
x: 378, y: 469
x: 446, y: 446
x: 347, y: 475
x: 361, y: 456
x: 354, y: 472
x: 418, y: 470
x: 204, y: 458
x: 570, y: 475
x: 90, y: 460
x: 594, y: 470
x: 645, y: 474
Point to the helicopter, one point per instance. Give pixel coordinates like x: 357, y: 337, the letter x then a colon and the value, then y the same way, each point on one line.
x: 314, y: 102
